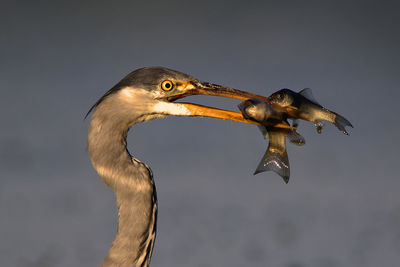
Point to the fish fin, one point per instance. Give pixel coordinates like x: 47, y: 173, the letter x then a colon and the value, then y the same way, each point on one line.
x: 296, y: 138
x: 319, y: 126
x: 293, y: 108
x: 263, y: 130
x: 276, y: 162
x: 295, y: 123
x: 341, y: 123
x: 307, y: 93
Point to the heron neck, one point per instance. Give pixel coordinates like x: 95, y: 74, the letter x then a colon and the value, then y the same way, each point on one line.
x: 134, y: 188
x: 136, y: 232
x: 107, y: 149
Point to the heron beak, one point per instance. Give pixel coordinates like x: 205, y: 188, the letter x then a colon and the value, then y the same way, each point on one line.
x: 204, y: 88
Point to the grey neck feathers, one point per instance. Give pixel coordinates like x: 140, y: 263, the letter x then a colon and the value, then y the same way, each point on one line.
x: 133, y: 185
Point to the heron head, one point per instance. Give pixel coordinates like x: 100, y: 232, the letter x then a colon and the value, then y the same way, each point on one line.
x: 150, y: 92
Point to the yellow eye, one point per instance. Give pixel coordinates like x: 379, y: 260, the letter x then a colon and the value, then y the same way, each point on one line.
x: 167, y: 85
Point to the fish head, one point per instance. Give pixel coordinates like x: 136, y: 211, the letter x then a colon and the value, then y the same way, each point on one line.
x: 282, y: 98
x: 255, y: 109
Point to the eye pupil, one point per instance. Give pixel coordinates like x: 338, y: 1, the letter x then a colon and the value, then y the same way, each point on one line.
x: 167, y: 85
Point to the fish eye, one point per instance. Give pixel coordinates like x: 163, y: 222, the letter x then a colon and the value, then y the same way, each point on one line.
x: 167, y: 85
x: 278, y: 96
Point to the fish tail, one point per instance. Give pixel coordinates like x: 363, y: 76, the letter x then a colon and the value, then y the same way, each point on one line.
x: 276, y: 162
x: 340, y: 122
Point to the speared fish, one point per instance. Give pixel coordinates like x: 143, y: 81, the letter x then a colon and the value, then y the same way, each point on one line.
x: 303, y: 106
x: 275, y: 158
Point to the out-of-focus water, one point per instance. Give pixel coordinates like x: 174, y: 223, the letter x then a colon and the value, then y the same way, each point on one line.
x: 341, y: 206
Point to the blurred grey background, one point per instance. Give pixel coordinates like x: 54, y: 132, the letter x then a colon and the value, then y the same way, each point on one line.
x: 342, y: 204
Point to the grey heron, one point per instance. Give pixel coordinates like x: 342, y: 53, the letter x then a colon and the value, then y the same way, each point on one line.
x: 144, y: 94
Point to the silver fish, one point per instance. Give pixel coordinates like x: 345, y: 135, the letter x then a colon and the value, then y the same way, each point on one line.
x: 275, y: 158
x: 303, y: 106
